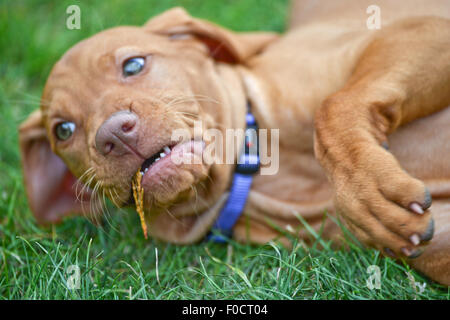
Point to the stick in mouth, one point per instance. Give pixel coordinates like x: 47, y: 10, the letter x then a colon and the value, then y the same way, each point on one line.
x: 138, y: 194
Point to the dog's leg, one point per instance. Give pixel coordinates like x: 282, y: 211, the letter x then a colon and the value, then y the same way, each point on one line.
x: 403, y: 74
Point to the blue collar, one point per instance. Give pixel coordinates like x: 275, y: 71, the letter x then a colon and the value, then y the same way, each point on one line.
x: 248, y: 164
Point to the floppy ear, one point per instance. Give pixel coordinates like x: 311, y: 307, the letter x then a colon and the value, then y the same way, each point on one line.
x: 224, y: 45
x: 50, y: 186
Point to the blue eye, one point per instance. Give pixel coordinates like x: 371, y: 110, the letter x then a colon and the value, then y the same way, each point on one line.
x: 133, y: 66
x: 64, y: 130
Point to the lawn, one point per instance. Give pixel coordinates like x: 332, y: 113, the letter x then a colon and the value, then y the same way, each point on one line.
x: 114, y: 261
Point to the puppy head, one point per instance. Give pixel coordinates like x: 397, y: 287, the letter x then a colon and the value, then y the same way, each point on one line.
x: 110, y: 107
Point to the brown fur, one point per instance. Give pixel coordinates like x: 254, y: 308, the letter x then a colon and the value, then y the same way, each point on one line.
x: 336, y: 90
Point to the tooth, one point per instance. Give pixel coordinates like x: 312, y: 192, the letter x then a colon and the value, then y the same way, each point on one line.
x: 156, y: 159
x: 415, y: 239
x: 166, y: 149
x: 162, y: 155
x: 145, y: 171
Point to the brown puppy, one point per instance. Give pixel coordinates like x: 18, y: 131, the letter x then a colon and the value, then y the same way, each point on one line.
x: 339, y: 93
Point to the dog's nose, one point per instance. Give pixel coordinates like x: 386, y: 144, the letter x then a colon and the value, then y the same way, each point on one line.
x: 118, y: 134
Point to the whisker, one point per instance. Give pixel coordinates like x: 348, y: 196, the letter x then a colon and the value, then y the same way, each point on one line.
x: 85, y: 187
x: 114, y: 201
x: 92, y: 205
x: 111, y: 196
x: 191, y: 98
x: 175, y: 218
x: 79, y: 182
x: 106, y: 212
x: 196, y: 199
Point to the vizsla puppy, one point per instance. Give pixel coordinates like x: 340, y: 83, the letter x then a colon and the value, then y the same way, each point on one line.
x: 362, y: 114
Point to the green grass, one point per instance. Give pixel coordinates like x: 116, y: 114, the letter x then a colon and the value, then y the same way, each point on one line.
x: 115, y: 261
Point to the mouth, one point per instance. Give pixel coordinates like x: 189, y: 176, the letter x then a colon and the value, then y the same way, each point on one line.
x: 169, y: 161
x: 170, y: 172
x: 161, y: 154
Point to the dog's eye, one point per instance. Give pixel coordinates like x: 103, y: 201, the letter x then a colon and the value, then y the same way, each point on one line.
x: 133, y: 66
x: 64, y: 130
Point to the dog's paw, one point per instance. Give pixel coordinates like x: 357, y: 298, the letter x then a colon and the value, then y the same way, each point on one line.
x: 382, y: 204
